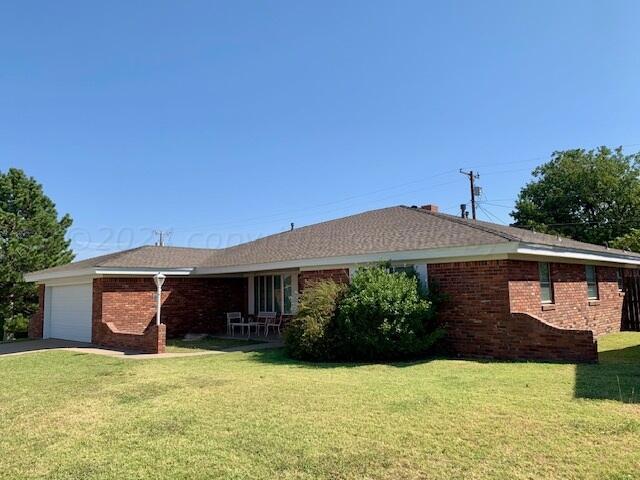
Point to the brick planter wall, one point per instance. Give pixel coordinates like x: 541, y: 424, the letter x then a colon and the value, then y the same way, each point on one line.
x: 529, y: 338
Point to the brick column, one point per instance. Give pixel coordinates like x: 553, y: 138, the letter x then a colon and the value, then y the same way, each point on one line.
x: 36, y: 322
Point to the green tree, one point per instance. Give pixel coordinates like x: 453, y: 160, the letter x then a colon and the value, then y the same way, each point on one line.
x: 629, y: 241
x: 31, y: 238
x: 592, y: 196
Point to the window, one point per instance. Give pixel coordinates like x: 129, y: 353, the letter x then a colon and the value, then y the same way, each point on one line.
x: 592, y: 282
x: 546, y: 287
x: 620, y: 279
x: 273, y: 293
x: 418, y: 271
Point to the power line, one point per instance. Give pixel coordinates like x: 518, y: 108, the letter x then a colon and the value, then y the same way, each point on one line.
x: 288, y: 215
x: 491, y: 215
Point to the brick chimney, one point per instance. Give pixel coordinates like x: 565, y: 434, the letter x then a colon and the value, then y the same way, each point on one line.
x: 430, y: 208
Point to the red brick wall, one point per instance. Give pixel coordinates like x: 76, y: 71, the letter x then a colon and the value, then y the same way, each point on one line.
x: 571, y: 308
x: 476, y: 305
x: 188, y: 304
x: 339, y: 275
x: 530, y: 338
x: 36, y: 322
x: 483, y: 298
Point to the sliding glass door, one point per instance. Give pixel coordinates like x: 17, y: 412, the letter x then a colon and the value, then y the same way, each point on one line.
x: 273, y: 293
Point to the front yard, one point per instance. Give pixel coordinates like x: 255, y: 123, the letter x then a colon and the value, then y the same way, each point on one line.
x: 260, y: 415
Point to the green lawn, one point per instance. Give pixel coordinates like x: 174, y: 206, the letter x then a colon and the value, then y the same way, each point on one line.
x: 259, y: 415
x: 207, y: 343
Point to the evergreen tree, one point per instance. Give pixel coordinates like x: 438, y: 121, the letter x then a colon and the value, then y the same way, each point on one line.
x: 31, y: 238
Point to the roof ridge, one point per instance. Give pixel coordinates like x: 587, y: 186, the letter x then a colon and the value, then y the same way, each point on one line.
x: 462, y: 221
x: 174, y: 246
x: 303, y: 227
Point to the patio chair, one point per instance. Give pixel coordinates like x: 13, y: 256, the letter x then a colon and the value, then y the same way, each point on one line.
x: 263, y: 319
x: 235, y: 319
x: 275, y: 323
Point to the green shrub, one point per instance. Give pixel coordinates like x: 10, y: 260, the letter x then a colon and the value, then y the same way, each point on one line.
x: 16, y: 327
x: 384, y: 316
x: 381, y: 315
x: 308, y: 335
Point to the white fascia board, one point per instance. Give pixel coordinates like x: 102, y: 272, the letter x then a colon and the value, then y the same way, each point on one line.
x: 92, y: 272
x: 573, y: 254
x: 445, y: 255
x: 55, y: 282
x: 459, y: 253
x: 141, y: 272
x: 43, y: 276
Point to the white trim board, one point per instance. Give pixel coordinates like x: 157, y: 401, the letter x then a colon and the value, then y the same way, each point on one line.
x: 515, y: 250
x: 44, y: 277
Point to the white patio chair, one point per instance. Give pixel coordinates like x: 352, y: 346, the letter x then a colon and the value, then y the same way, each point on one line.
x: 274, y: 322
x: 263, y: 319
x: 235, y: 319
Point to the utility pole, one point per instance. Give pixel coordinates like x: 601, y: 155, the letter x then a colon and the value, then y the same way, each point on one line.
x: 472, y: 178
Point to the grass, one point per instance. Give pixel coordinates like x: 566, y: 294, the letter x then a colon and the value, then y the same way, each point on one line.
x: 259, y: 415
x: 207, y: 343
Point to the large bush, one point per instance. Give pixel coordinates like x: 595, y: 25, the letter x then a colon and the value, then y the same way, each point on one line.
x: 384, y: 316
x: 381, y: 315
x: 308, y: 335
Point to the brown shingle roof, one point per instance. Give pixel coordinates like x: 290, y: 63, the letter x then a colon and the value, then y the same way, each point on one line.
x: 392, y: 229
x: 141, y: 257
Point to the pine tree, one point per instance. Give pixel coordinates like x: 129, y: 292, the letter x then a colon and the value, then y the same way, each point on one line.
x: 31, y: 238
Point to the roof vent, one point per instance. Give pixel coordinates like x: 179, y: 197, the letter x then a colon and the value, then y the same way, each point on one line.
x: 430, y: 208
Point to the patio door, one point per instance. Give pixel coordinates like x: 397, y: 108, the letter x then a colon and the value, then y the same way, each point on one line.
x: 273, y: 293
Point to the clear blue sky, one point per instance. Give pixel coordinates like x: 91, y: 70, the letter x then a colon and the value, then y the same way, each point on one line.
x: 225, y: 121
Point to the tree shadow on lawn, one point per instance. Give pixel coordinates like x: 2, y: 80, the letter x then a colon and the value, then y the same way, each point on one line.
x: 615, y: 377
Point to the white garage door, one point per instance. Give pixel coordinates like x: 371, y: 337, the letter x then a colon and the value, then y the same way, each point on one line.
x: 70, y: 312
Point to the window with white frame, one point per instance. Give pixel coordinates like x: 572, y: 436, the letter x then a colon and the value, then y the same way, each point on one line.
x: 592, y: 282
x: 274, y: 293
x: 546, y: 287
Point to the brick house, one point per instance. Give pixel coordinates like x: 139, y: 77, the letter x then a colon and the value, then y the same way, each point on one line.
x: 511, y: 293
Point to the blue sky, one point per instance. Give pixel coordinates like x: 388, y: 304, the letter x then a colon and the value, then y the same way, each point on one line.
x: 226, y: 121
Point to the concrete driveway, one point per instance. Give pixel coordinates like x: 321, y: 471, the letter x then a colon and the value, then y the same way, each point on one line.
x: 28, y: 346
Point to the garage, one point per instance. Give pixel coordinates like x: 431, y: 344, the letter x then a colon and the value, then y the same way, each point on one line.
x: 69, y: 312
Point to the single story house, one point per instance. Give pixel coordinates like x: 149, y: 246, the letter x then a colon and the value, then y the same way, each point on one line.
x: 511, y: 293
